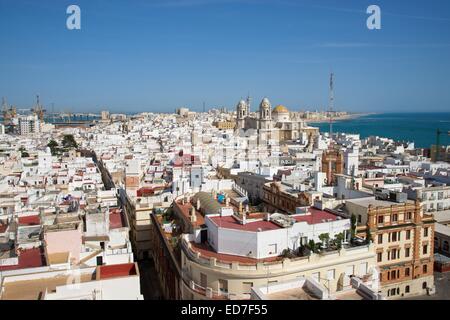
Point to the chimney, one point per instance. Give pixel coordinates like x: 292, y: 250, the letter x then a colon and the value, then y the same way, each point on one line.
x: 198, y: 204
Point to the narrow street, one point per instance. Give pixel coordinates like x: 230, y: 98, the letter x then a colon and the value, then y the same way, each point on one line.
x: 149, y: 282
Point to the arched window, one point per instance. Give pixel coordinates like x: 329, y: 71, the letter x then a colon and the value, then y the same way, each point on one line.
x: 424, y: 285
x: 407, y: 289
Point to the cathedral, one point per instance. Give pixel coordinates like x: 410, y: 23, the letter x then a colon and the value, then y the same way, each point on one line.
x: 275, y: 124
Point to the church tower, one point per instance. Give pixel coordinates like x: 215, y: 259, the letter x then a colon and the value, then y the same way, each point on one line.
x: 242, y: 113
x: 265, y: 115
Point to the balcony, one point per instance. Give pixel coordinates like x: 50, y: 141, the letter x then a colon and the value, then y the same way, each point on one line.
x: 207, y: 293
x: 276, y: 265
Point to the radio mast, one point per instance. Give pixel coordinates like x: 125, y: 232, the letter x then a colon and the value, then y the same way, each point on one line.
x: 331, y: 104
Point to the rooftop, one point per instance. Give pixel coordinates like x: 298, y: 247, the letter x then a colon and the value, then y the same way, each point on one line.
x: 316, y: 216
x: 369, y: 201
x: 29, y: 258
x: 116, y: 219
x: 229, y: 222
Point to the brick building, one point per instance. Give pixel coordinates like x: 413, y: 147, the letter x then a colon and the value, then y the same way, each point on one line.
x: 403, y: 237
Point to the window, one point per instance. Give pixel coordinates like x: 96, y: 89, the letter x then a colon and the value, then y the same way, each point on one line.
x: 445, y: 246
x: 406, y: 272
x: 272, y: 248
x: 395, y: 236
x: 350, y: 270
x: 393, y: 275
x: 425, y: 268
x: 379, y: 256
x: 330, y: 274
x: 425, y: 249
x: 359, y: 218
x: 424, y: 285
x: 223, y: 285
x: 394, y: 217
x: 316, y: 276
x: 380, y: 238
x: 408, y: 215
x: 407, y: 250
x: 247, y: 287
x: 394, y: 254
x: 425, y: 232
x: 380, y: 219
x: 408, y: 234
x: 407, y: 289
x: 363, y: 268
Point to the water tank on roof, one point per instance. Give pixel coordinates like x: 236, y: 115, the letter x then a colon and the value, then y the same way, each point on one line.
x: 221, y: 198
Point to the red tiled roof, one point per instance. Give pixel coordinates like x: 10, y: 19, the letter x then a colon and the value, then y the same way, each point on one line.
x: 229, y: 222
x: 29, y: 258
x: 117, y: 270
x: 30, y: 220
x: 116, y: 220
x: 316, y: 216
x: 185, y: 210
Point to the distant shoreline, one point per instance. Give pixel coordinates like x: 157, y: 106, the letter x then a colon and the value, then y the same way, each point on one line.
x: 342, y: 118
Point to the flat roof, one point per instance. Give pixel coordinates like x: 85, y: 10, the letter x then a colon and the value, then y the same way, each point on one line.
x: 365, y: 202
x: 442, y: 229
x: 35, y: 288
x: 116, y: 220
x: 29, y: 258
x: 441, y: 216
x: 229, y: 222
x: 291, y: 294
x: 117, y: 270
x: 316, y: 216
x: 30, y: 220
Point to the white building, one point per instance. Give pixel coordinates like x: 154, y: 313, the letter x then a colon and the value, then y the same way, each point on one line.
x: 29, y: 124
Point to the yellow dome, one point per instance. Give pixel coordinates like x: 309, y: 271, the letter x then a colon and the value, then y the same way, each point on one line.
x: 280, y: 109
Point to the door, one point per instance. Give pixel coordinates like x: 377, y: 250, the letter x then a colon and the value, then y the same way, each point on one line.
x: 99, y: 260
x: 204, y: 235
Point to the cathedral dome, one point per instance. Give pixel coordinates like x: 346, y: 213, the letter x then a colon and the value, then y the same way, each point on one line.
x: 280, y: 109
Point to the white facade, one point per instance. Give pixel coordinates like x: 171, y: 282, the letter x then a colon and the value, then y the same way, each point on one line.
x: 269, y: 243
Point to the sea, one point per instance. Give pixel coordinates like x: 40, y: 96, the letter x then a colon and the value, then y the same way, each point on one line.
x: 419, y: 128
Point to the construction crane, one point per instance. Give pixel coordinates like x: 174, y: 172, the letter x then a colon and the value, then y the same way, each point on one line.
x: 438, y: 143
x: 9, y: 112
x: 38, y: 109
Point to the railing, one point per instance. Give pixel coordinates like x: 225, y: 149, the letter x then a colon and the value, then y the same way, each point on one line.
x: 276, y: 266
x: 209, y: 293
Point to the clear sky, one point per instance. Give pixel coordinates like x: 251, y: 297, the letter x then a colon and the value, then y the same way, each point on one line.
x: 157, y: 55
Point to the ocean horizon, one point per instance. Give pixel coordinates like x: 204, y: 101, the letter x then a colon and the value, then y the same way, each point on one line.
x: 417, y: 127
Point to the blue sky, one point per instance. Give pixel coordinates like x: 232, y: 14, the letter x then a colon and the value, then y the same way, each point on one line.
x: 157, y: 55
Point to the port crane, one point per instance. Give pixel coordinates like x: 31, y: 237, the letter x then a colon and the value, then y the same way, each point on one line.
x: 38, y: 109
x: 8, y: 112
